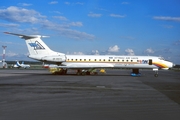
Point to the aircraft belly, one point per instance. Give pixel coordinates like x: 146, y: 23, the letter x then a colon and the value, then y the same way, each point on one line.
x: 105, y: 65
x: 87, y: 65
x: 134, y: 66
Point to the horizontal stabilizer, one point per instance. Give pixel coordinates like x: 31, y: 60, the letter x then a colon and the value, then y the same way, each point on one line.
x: 26, y: 37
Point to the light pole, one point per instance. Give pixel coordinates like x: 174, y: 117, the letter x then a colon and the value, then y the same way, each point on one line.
x: 4, y: 47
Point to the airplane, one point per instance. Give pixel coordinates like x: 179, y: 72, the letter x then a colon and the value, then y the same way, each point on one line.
x: 22, y: 65
x: 85, y: 64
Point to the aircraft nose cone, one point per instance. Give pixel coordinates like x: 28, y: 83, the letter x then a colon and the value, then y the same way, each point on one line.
x: 174, y: 65
x: 171, y: 65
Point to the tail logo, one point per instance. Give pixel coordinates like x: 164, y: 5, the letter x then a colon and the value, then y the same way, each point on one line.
x: 36, y: 45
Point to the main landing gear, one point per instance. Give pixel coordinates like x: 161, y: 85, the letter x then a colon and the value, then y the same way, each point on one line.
x: 135, y: 73
x: 58, y: 71
x: 86, y: 72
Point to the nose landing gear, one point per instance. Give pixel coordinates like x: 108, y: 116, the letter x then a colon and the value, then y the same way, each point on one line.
x: 156, y: 72
x: 135, y: 73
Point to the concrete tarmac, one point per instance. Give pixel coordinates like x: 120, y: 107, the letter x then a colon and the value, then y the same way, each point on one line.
x: 38, y: 95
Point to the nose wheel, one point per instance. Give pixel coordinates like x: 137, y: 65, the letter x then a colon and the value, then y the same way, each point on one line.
x: 156, y: 74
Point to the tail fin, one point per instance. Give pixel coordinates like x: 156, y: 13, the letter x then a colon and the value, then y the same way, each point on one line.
x: 35, y: 45
x: 18, y: 64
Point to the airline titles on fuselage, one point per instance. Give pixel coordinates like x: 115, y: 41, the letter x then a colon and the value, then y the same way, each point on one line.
x: 116, y: 59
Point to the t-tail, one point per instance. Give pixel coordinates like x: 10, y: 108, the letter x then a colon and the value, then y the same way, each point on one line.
x: 38, y: 49
x: 18, y: 64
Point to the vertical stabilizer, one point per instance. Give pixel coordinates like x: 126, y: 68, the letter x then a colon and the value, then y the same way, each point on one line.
x: 18, y: 64
x: 35, y: 45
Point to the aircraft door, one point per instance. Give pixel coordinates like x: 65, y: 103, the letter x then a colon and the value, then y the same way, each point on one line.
x: 150, y: 61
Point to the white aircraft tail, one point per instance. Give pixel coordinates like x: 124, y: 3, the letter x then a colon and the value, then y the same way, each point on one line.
x: 18, y: 64
x: 36, y: 46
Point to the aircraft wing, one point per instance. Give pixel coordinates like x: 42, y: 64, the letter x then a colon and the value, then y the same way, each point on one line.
x: 84, y: 66
x: 75, y: 67
x: 23, y: 36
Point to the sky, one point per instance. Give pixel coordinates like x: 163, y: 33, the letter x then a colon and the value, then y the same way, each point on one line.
x: 94, y: 27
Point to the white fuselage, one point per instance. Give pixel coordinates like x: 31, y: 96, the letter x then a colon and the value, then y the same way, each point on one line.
x: 40, y: 51
x: 112, y: 61
x: 18, y: 65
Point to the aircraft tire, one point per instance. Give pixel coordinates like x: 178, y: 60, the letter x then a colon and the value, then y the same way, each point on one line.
x: 155, y: 75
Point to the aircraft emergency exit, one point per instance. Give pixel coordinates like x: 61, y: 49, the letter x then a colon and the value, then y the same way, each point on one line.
x: 84, y: 64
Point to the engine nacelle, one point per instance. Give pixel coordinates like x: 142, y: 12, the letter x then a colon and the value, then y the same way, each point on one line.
x: 59, y: 58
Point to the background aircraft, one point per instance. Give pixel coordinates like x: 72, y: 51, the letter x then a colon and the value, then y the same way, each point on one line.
x: 84, y: 64
x: 22, y: 65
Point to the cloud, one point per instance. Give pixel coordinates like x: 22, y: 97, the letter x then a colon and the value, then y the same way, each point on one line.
x: 75, y: 34
x: 53, y: 2
x: 102, y: 9
x: 77, y: 3
x: 24, y: 4
x: 166, y: 50
x: 67, y: 3
x: 117, y: 16
x: 149, y: 51
x: 21, y: 15
x: 57, y: 12
x: 75, y: 53
x: 10, y: 43
x: 11, y: 54
x: 77, y: 24
x: 167, y: 18
x: 167, y: 26
x: 94, y: 15
x: 15, y: 56
x: 9, y: 25
x: 114, y: 48
x: 61, y: 18
x: 129, y: 52
x: 95, y: 52
x: 125, y: 3
x: 26, y: 16
x: 65, y: 30
x: 54, y: 26
x: 177, y: 42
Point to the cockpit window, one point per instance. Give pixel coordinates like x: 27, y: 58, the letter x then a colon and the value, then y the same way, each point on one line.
x: 161, y: 58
